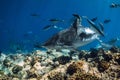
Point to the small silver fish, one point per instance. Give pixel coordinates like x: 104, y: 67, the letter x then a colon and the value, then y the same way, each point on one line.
x: 47, y: 27
x: 54, y: 20
x: 114, y: 5
x: 94, y: 19
x: 35, y: 15
x: 107, y: 20
x: 51, y: 26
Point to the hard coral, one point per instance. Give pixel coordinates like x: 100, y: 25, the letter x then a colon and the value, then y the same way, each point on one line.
x: 63, y: 59
x: 3, y: 76
x: 16, y: 69
x: 103, y: 65
x: 81, y: 54
x: 107, y: 57
x: 34, y: 60
x: 115, y: 49
x: 82, y: 76
x: 117, y: 59
x: 72, y: 68
x: 6, y: 62
x: 94, y: 52
x: 77, y: 66
x: 33, y: 74
x: 56, y: 76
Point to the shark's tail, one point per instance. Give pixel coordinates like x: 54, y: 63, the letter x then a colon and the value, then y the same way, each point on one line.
x: 103, y: 44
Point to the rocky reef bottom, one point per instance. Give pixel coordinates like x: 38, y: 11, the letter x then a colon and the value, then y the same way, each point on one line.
x: 96, y: 64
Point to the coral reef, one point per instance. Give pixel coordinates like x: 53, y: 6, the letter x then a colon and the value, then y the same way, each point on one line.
x: 102, y: 66
x: 77, y: 67
x: 114, y: 49
x: 81, y: 76
x: 56, y: 76
x: 16, y: 69
x: 96, y: 64
x: 63, y: 59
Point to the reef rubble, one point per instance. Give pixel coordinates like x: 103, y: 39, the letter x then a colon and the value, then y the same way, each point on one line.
x: 96, y: 64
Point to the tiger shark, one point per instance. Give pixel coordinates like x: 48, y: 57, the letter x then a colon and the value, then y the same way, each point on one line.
x: 75, y: 36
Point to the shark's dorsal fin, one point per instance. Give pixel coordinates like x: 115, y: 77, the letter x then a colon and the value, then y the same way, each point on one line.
x: 76, y: 15
x: 77, y: 22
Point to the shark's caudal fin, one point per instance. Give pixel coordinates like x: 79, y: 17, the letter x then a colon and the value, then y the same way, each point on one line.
x: 103, y: 44
x: 95, y: 27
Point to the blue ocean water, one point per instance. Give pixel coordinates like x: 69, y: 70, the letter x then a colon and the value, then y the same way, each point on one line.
x: 21, y: 21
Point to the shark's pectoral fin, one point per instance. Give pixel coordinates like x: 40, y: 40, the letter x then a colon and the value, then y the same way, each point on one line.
x: 52, y: 40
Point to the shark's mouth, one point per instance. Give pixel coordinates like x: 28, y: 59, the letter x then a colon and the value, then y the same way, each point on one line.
x: 88, y: 35
x: 93, y: 37
x: 85, y: 41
